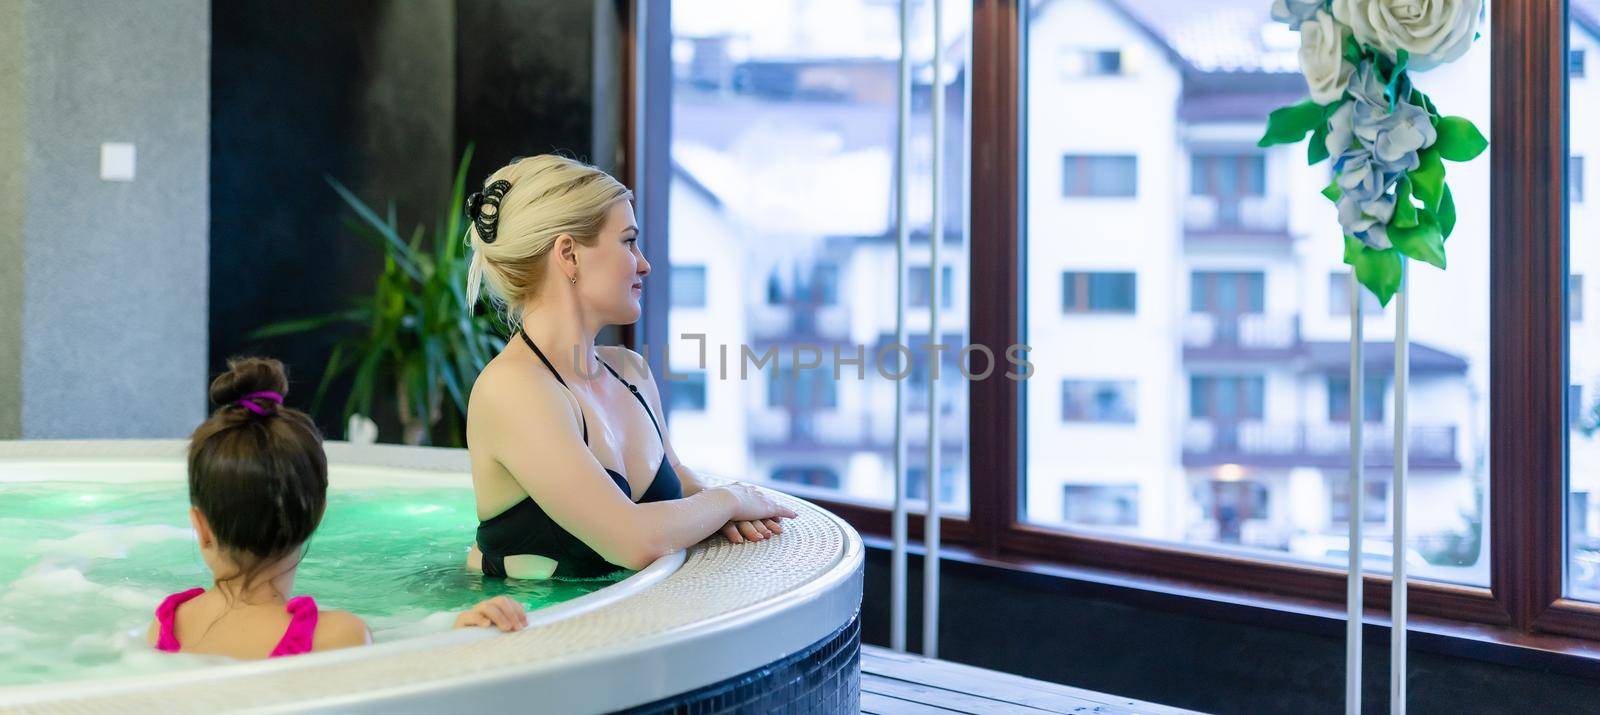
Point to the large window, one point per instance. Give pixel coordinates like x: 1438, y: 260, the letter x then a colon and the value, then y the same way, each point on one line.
x: 1238, y: 338
x: 782, y: 156
x: 1182, y: 295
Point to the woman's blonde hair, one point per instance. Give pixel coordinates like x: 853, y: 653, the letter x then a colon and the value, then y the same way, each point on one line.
x: 549, y: 196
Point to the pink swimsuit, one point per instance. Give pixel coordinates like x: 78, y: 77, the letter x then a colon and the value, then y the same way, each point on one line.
x: 296, y: 640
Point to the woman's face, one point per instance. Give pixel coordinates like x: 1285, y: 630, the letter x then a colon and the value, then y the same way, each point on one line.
x: 611, y: 273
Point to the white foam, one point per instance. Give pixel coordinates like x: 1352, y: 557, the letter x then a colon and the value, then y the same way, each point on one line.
x: 111, y: 542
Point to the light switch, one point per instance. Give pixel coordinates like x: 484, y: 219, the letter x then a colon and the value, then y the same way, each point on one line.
x: 116, y: 161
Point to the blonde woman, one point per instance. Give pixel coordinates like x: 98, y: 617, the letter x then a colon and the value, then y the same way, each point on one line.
x: 572, y: 469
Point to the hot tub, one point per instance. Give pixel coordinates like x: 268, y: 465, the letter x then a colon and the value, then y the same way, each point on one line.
x: 768, y: 626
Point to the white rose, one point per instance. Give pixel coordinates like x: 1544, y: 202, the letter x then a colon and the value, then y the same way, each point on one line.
x: 1432, y: 32
x: 1322, y: 58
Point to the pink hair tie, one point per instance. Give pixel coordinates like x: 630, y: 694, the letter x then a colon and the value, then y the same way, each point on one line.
x: 249, y: 401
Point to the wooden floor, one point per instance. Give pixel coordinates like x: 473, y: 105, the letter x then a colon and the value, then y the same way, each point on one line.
x: 895, y: 683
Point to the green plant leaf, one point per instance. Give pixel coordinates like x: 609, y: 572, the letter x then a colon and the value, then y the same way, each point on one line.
x: 1332, y: 191
x: 304, y: 325
x: 1459, y: 139
x: 1447, y: 213
x: 1396, y: 77
x: 1287, y: 125
x: 1422, y: 100
x: 384, y: 229
x: 1352, y: 50
x: 1405, y: 212
x: 1317, y: 148
x: 1423, y: 242
x: 1427, y: 180
x: 1379, y: 271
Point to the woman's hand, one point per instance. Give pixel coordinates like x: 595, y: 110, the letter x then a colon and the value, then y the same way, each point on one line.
x: 760, y: 530
x: 752, y: 504
x: 500, y: 612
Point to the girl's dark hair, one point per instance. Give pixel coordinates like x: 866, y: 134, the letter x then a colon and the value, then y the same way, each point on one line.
x: 259, y: 476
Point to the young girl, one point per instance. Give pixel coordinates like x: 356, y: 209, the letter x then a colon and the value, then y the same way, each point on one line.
x: 258, y: 482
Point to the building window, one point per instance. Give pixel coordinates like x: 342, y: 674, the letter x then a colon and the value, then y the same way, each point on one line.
x: 825, y: 284
x: 917, y: 483
x: 1100, y: 176
x: 1081, y: 62
x: 1098, y: 401
x: 1372, y: 399
x: 918, y: 292
x: 1575, y: 179
x: 1228, y: 175
x: 1101, y: 504
x: 810, y: 389
x: 687, y: 393
x: 1575, y: 297
x: 1106, y: 292
x: 1227, y: 398
x: 688, y: 286
x: 1575, y: 62
x: 1374, y: 501
x: 1227, y: 293
x: 1232, y: 502
x: 1575, y: 407
x: 1339, y: 297
x: 774, y: 288
x: 810, y: 476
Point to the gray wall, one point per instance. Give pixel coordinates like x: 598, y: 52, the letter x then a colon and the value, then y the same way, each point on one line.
x: 112, y: 329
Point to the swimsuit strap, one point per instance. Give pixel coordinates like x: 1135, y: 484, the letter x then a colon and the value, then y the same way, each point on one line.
x: 640, y: 398
x: 546, y: 361
x: 297, y: 638
x: 166, y: 615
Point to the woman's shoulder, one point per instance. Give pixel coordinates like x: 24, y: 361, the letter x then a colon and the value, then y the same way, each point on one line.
x: 508, y: 393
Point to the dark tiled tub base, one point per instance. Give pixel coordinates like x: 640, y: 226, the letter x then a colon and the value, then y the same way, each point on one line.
x: 823, y: 678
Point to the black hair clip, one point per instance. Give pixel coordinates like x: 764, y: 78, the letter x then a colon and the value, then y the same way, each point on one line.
x: 483, y: 207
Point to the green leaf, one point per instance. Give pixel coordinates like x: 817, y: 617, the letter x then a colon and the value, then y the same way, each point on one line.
x: 1423, y: 242
x: 287, y: 327
x: 1447, y: 213
x: 384, y: 229
x: 1405, y: 212
x: 1379, y: 271
x: 1396, y: 76
x: 1422, y: 100
x: 1459, y: 139
x: 1287, y: 125
x: 1332, y: 191
x: 1427, y: 180
x: 1352, y: 50
x: 1317, y: 148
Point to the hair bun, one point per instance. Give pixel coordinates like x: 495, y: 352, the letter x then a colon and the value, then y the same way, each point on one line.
x: 246, y: 375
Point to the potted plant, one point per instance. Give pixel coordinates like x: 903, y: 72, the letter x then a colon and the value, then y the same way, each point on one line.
x: 414, y: 334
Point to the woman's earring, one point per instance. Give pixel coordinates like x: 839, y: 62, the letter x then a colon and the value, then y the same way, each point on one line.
x: 574, y: 279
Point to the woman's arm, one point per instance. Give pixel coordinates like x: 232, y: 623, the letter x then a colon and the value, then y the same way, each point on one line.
x: 533, y: 430
x: 633, y: 365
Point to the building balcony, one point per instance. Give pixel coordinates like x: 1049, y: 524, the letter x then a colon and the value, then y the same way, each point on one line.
x: 1208, y: 443
x: 841, y: 431
x: 1253, y: 218
x: 1249, y: 336
x: 799, y: 323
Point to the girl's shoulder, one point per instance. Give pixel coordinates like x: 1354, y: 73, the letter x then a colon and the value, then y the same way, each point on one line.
x: 340, y: 629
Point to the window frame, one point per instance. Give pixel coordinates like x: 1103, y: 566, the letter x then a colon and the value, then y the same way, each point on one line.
x: 1528, y: 380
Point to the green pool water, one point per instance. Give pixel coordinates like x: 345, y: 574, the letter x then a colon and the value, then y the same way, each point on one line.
x: 83, y: 565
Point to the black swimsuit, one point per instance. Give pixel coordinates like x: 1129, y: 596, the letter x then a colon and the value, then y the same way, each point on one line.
x: 525, y: 528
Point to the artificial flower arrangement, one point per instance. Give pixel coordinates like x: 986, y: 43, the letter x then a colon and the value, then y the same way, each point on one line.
x: 1387, y: 140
